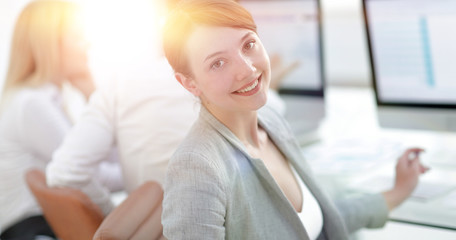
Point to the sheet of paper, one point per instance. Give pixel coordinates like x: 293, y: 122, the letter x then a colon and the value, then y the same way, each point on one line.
x: 450, y: 200
x: 425, y: 190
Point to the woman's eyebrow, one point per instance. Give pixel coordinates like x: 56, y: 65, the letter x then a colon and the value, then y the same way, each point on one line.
x: 213, y: 55
x: 247, y: 35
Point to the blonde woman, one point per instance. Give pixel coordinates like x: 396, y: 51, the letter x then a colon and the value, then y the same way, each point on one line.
x: 48, y: 48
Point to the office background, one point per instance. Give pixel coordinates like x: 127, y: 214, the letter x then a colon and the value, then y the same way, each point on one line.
x: 346, y: 64
x: 344, y: 43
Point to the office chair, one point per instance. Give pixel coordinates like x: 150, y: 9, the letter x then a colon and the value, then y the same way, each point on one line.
x: 70, y: 213
x: 137, y: 217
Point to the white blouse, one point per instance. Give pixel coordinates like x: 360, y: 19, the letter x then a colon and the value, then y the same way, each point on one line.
x: 32, y: 125
x: 310, y: 215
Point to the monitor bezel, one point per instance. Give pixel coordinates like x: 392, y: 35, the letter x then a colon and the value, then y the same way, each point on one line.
x: 307, y: 92
x: 375, y: 80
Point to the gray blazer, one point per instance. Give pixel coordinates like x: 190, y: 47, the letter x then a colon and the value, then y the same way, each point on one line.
x: 215, y: 190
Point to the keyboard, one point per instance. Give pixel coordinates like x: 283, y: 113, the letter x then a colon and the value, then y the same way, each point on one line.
x: 369, y: 163
x: 351, y: 155
x: 425, y: 190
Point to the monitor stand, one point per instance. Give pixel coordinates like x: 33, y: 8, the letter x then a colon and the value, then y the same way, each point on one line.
x: 304, y: 114
x: 417, y: 118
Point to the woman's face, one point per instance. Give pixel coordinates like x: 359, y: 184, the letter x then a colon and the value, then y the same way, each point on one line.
x: 230, y: 69
x: 74, y: 48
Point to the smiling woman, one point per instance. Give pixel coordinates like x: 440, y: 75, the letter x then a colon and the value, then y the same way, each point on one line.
x: 229, y: 71
x: 239, y: 173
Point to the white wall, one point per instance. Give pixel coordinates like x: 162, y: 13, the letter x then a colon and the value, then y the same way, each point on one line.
x: 344, y: 40
x: 346, y: 55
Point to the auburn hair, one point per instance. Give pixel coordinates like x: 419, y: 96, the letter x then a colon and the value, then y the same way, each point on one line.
x: 188, y: 14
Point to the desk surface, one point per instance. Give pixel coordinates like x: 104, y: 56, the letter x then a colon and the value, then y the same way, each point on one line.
x: 351, y: 116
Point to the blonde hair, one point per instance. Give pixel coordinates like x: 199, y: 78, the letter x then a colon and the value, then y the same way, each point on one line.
x: 35, y: 56
x: 188, y: 14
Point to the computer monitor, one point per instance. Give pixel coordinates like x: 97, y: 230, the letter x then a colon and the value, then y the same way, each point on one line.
x: 412, y: 48
x: 290, y: 30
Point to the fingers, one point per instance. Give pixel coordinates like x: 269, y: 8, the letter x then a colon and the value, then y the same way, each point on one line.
x: 279, y: 73
x: 410, y: 160
x: 412, y: 154
x: 416, y: 166
x: 289, y: 68
x: 412, y: 151
x: 423, y: 169
x: 409, y: 154
x: 275, y: 60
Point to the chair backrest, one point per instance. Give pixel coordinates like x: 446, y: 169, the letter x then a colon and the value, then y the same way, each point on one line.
x: 137, y: 217
x: 70, y: 213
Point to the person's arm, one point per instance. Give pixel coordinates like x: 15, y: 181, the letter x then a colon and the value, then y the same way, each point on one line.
x: 87, y: 144
x: 43, y: 125
x: 363, y: 211
x: 194, y: 201
x: 408, y: 170
x: 280, y: 71
x: 109, y: 173
x: 371, y: 210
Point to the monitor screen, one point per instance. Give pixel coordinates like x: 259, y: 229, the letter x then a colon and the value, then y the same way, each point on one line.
x: 413, y: 49
x: 290, y: 32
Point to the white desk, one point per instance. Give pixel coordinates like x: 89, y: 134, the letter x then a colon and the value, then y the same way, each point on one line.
x: 351, y: 115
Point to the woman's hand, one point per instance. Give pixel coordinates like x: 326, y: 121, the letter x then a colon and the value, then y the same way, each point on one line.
x: 279, y: 71
x: 408, y: 170
x: 83, y: 82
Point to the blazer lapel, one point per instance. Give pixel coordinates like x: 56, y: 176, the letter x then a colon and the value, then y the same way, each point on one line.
x: 258, y: 165
x: 333, y: 223
x: 333, y: 226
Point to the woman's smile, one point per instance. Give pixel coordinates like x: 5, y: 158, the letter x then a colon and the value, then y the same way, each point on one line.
x: 230, y: 69
x: 250, y: 88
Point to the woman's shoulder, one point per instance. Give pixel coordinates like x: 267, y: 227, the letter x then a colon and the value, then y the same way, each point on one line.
x: 201, y: 155
x: 29, y: 101
x: 202, y: 141
x: 31, y: 95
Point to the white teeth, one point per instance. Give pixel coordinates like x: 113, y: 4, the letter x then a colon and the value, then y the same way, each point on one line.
x: 249, y: 88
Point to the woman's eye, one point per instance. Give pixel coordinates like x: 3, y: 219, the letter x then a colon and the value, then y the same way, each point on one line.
x: 218, y: 64
x: 249, y: 45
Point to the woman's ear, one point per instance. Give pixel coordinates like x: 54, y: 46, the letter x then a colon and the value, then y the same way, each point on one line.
x: 188, y: 83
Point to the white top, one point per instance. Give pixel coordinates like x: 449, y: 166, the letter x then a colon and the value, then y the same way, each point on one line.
x: 33, y: 124
x: 310, y: 215
x: 145, y: 114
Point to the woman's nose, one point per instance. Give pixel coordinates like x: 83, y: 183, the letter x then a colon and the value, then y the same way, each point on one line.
x: 245, y: 67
